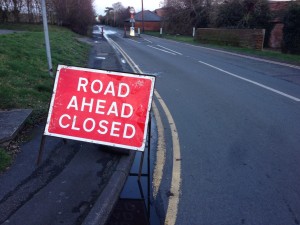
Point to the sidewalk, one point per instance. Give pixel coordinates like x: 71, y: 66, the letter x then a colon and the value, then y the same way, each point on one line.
x: 76, y: 183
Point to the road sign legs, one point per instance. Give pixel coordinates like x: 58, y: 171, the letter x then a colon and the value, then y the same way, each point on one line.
x: 140, y: 173
x: 41, y: 150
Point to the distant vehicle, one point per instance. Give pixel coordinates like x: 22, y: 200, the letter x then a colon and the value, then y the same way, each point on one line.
x: 97, y: 31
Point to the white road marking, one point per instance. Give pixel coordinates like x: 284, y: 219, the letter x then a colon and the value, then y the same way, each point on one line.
x: 236, y: 54
x: 134, y: 41
x: 249, y: 57
x: 148, y: 40
x: 99, y: 57
x: 253, y: 82
x: 170, y: 50
x: 161, y: 50
x: 123, y: 61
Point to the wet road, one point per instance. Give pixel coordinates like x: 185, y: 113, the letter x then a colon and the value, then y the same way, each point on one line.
x: 238, y: 123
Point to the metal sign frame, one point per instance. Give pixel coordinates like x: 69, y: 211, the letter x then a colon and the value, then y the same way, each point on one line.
x: 104, y: 73
x: 64, y: 137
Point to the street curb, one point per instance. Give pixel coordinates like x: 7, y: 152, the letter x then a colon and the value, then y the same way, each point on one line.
x: 11, y: 127
x: 108, y: 198
x: 110, y: 195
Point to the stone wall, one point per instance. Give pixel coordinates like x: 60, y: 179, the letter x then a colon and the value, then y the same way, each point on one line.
x: 248, y: 38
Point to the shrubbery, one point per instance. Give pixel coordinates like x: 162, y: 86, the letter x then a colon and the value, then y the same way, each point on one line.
x: 75, y: 14
x: 228, y: 14
x: 291, y: 30
x: 243, y: 14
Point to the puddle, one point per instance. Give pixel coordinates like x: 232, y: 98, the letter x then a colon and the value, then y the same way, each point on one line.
x: 130, y: 198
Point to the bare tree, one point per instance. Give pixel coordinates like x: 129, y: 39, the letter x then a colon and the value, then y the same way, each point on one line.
x: 185, y: 14
x: 120, y: 13
x: 17, y: 6
x: 76, y: 14
x: 29, y: 8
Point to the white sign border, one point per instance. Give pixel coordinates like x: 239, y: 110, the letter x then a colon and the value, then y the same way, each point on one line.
x: 152, y: 78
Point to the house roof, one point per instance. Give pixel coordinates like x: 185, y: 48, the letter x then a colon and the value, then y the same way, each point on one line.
x: 148, y: 16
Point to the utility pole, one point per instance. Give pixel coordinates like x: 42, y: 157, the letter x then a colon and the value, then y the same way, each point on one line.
x: 46, y: 34
x: 143, y: 28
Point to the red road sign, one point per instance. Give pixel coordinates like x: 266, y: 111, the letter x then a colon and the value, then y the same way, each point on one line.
x: 103, y: 107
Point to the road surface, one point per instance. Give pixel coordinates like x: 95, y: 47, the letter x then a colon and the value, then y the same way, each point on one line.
x: 231, y: 127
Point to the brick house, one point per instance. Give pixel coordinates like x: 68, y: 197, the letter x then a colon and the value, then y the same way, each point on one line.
x: 152, y: 22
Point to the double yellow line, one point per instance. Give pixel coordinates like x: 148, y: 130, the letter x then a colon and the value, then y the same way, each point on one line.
x: 173, y: 202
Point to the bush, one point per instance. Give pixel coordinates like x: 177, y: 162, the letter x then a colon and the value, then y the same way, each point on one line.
x: 291, y: 30
x: 5, y: 159
x: 244, y: 14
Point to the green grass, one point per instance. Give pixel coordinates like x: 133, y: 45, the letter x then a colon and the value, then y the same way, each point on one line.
x: 24, y: 76
x: 267, y: 54
x: 5, y: 159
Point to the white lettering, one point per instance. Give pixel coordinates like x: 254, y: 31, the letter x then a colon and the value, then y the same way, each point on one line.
x: 101, y: 125
x: 100, y: 86
x: 60, y: 121
x: 73, y: 103
x: 85, y: 126
x: 82, y: 84
x: 113, y: 109
x: 74, y: 123
x: 110, y: 89
x: 114, y: 128
x: 99, y: 106
x: 125, y: 92
x: 90, y: 104
x: 129, y: 107
x: 126, y: 131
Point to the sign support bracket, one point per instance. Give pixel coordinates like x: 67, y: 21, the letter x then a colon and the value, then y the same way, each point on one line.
x: 41, y: 149
x: 140, y: 172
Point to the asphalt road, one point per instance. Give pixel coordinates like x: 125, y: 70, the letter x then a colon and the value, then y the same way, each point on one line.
x: 238, y: 124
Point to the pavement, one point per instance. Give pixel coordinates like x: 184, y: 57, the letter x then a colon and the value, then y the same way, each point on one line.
x: 75, y: 183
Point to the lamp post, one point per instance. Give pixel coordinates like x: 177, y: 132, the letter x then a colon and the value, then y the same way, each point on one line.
x: 46, y: 34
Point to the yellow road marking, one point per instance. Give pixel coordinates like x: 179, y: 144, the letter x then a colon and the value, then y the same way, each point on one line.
x: 173, y: 202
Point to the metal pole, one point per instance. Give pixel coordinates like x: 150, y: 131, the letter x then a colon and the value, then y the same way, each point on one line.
x: 148, y: 166
x: 40, y: 154
x: 46, y: 33
x: 114, y: 18
x: 143, y: 27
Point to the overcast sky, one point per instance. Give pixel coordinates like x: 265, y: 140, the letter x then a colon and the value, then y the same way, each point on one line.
x: 137, y: 4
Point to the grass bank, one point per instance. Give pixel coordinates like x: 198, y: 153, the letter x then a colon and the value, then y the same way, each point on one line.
x: 24, y: 76
x: 5, y: 159
x: 266, y: 54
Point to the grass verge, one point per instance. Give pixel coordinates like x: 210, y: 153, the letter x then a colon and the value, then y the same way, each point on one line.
x: 5, y: 159
x: 266, y: 54
x: 24, y: 77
